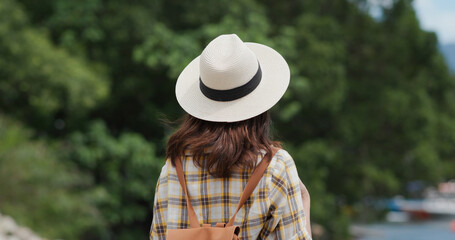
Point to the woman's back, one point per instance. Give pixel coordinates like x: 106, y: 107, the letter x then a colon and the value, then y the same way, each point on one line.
x: 227, y: 92
x: 274, y: 210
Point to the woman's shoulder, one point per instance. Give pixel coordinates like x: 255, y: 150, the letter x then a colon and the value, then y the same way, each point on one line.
x: 281, y: 177
x: 282, y: 157
x: 281, y: 162
x: 282, y: 154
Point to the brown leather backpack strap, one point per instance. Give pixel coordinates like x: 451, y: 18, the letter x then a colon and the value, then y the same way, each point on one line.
x: 194, y: 223
x: 253, y: 182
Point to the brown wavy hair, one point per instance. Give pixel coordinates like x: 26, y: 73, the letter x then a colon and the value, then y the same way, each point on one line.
x: 231, y: 145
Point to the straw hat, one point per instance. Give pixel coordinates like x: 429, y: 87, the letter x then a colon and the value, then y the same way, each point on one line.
x: 232, y: 81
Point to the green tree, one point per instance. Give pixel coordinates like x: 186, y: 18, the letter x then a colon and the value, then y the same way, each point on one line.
x: 39, y: 83
x: 41, y: 192
x: 124, y: 171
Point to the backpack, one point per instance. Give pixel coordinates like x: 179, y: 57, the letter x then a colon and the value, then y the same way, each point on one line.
x: 222, y: 231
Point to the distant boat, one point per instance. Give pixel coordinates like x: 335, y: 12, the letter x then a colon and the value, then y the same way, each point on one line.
x: 431, y: 206
x: 440, y: 202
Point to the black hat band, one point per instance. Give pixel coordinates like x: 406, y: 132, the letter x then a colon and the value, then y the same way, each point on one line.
x: 234, y: 93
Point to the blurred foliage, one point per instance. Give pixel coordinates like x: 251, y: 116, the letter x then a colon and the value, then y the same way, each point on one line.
x: 124, y: 170
x: 40, y: 82
x: 40, y: 191
x: 370, y: 107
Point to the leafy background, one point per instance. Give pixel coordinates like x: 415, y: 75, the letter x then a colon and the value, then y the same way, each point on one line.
x: 85, y: 86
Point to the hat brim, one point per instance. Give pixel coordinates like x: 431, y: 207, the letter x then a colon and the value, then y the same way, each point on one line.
x: 273, y: 85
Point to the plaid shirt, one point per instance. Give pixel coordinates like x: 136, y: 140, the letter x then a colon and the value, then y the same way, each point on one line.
x: 273, y: 211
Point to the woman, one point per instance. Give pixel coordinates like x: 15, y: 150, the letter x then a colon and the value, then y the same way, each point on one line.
x: 227, y: 92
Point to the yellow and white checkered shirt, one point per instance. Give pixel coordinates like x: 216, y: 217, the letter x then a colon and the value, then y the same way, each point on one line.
x: 273, y: 211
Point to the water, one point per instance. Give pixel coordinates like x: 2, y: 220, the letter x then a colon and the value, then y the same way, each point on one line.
x: 428, y: 230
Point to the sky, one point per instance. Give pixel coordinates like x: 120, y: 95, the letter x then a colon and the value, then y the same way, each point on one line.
x: 437, y: 16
